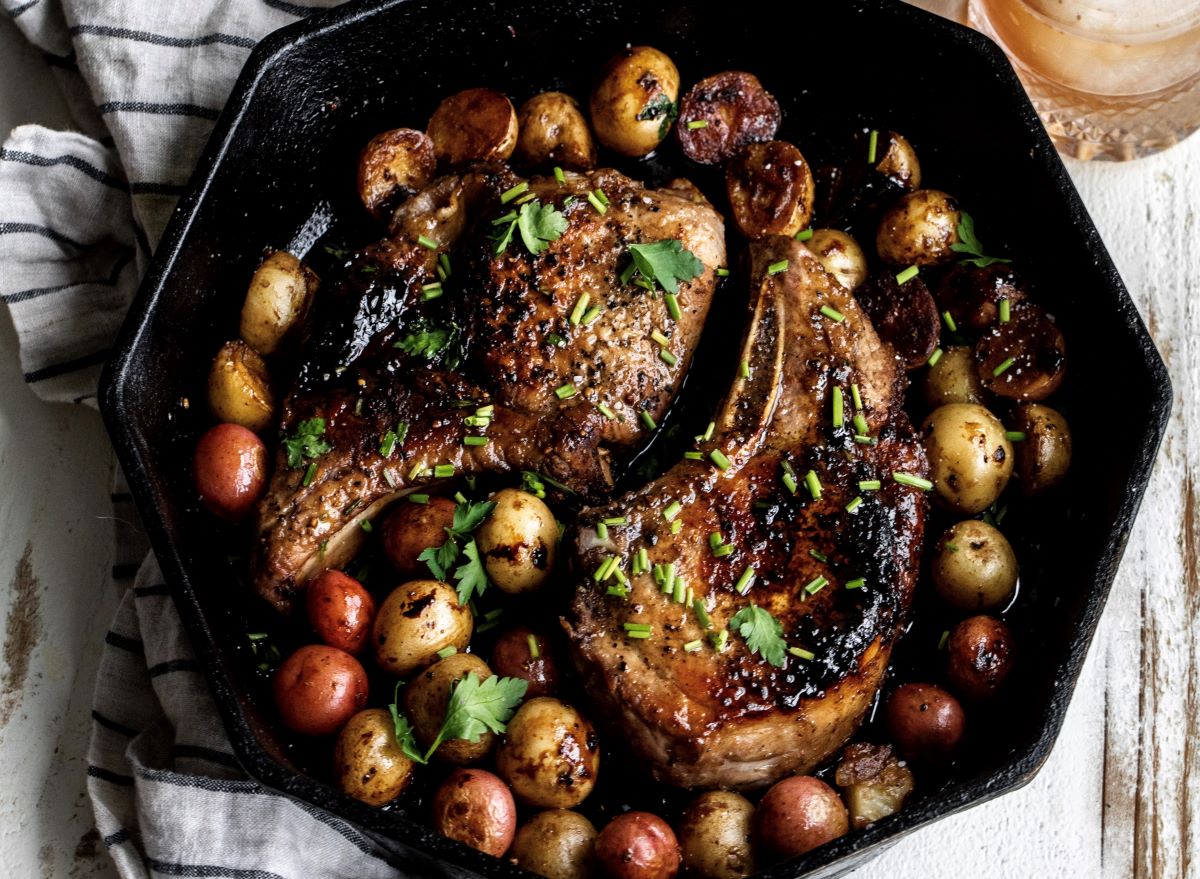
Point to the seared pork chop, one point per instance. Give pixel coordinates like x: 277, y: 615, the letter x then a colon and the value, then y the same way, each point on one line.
x: 837, y: 572
x: 570, y: 387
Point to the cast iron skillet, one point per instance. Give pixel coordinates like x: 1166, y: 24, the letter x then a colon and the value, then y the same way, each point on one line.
x: 280, y: 165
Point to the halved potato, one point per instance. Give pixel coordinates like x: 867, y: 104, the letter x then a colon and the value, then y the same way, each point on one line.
x: 393, y: 165
x: 277, y: 300
x: 841, y: 256
x: 897, y: 160
x: 239, y: 388
x: 554, y: 132
x: 771, y: 190
x: 1024, y: 359
x: 476, y: 125
x: 722, y: 113
x: 904, y: 315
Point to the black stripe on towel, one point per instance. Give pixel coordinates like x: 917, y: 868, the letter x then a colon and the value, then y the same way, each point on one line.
x: 31, y: 229
x: 124, y: 642
x: 110, y: 777
x: 173, y: 665
x: 117, y: 838
x: 156, y: 589
x: 57, y: 369
x: 122, y: 33
x: 158, y: 109
x: 75, y: 162
x: 110, y: 724
x: 123, y: 260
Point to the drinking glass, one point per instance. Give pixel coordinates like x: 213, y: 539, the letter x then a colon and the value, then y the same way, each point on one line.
x: 1111, y: 79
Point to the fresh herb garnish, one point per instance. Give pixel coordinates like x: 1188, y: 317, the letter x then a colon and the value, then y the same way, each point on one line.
x: 475, y: 707
x: 535, y: 484
x: 471, y: 576
x: 307, y: 442
x: 762, y: 632
x: 467, y: 517
x: 660, y: 107
x: 969, y: 243
x: 540, y: 224
x: 666, y: 263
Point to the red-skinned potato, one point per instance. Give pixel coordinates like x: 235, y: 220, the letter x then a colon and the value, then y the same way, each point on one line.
x: 475, y: 808
x: 798, y: 814
x: 924, y: 721
x: 1044, y: 455
x: 230, y: 467
x: 512, y: 657
x: 409, y: 529
x: 475, y: 125
x: 979, y: 657
x: 722, y: 113
x: 369, y: 763
x: 340, y: 611
x: 637, y: 845
x: 318, y: 688
x: 972, y: 295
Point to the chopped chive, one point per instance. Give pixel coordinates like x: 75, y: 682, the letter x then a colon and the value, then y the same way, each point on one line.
x: 719, y: 458
x: 390, y: 478
x: 872, y: 146
x: 509, y: 194
x: 854, y: 395
x: 388, y: 445
x: 450, y: 651
x: 669, y: 575
x: 1014, y: 436
x: 776, y: 267
x: 1003, y: 367
x: 860, y: 424
x: 672, y: 305
x: 606, y: 412
x: 415, y: 472
x: 565, y: 392
x: 444, y: 264
x: 693, y: 456
x: 720, y: 640
x: 722, y: 272
x: 832, y: 313
x: 854, y: 504
x: 789, y: 482
x: 801, y: 653
x: 949, y: 320
x: 839, y: 413
x: 745, y: 581
x: 591, y: 314
x: 475, y: 440
x: 659, y: 339
x: 556, y: 339
x: 459, y: 497
x: 559, y: 175
x: 418, y: 498
x: 648, y: 419
x: 639, y: 634
x: 603, y: 198
x: 951, y: 546
x: 358, y: 406
x: 715, y: 539
x: 430, y: 292
x: 618, y: 590
x: 943, y: 640
x: 667, y: 357
x: 914, y: 481
x: 693, y: 646
x: 310, y: 474
x: 581, y: 305
x: 507, y: 218
x: 804, y: 234
x: 725, y: 549
x: 744, y: 369
x: 627, y: 273
x: 862, y: 439
x: 816, y: 585
x: 680, y: 591
x: 814, y: 484
x: 632, y: 627
x: 476, y: 421
x: 534, y: 651
x: 402, y: 432
x: 596, y: 203
x: 605, y: 570
x: 869, y: 485
x: 701, y: 612
x: 672, y: 510
x: 427, y: 242
x: 856, y: 583
x: 366, y: 526
x: 907, y: 274
x: 697, y: 123
x: 1005, y: 311
x: 616, y: 520
x: 935, y: 356
x: 643, y: 559
x: 443, y: 471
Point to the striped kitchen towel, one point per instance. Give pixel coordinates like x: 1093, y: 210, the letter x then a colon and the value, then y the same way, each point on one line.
x: 80, y: 214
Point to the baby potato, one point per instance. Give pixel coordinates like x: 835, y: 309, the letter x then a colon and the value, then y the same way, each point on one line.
x: 416, y: 621
x: 634, y: 103
x: 369, y: 762
x: 841, y: 256
x: 318, y: 688
x: 393, y: 165
x: 798, y: 814
x: 1024, y: 359
x: 239, y: 388
x: 715, y: 836
x: 1044, y: 456
x: 722, y: 113
x: 637, y: 845
x: 953, y: 379
x: 556, y: 844
x: 970, y: 458
x: 919, y: 229
x: 974, y: 567
x: 230, y: 467
x: 340, y: 611
x: 972, y: 294
x: 897, y: 160
x: 770, y: 189
x: 476, y: 125
x: 279, y: 296
x: 874, y: 782
x: 475, y: 808
x: 553, y: 131
x: 980, y: 656
x: 425, y: 701
x: 513, y: 657
x: 924, y: 721
x: 549, y: 754
x: 518, y: 541
x: 904, y: 315
x: 410, y: 529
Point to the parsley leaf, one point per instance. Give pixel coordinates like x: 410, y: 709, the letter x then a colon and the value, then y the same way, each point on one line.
x: 439, y: 559
x: 763, y: 633
x: 660, y: 107
x: 307, y: 442
x: 476, y: 707
x: 539, y: 225
x: 471, y: 576
x: 404, y: 731
x: 424, y: 343
x: 665, y: 262
x: 468, y: 517
x: 969, y: 243
x: 503, y: 235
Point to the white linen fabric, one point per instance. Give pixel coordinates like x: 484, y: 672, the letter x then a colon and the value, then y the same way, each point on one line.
x: 80, y: 214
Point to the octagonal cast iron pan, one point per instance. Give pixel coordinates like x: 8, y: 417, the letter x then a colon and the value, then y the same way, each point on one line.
x: 279, y: 169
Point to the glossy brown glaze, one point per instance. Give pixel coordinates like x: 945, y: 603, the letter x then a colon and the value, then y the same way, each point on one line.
x: 705, y: 719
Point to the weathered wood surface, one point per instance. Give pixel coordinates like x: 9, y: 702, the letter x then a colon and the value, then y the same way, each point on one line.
x: 1118, y: 798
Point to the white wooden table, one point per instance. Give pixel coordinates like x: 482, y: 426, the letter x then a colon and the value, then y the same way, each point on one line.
x: 1119, y: 797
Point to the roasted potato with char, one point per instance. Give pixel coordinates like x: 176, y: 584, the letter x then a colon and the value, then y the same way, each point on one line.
x: 974, y: 567
x: 549, y: 754
x: 904, y: 315
x: 770, y: 189
x: 972, y: 295
x: 1024, y: 359
x: 239, y: 388
x: 874, y: 782
x: 416, y: 621
x: 722, y: 113
x: 897, y: 160
x: 970, y: 456
x: 979, y: 657
x: 369, y: 762
x: 1044, y: 455
x: 953, y: 379
x: 840, y: 255
x: 634, y: 103
x: 277, y: 300
x: 556, y: 844
x: 919, y: 229
x: 553, y: 131
x: 518, y: 542
x: 476, y: 808
x: 425, y: 701
x: 475, y: 125
x: 715, y: 836
x: 393, y: 166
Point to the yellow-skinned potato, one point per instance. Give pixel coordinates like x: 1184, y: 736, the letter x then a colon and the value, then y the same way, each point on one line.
x: 974, y: 567
x: 970, y: 458
x: 771, y: 189
x: 549, y: 754
x: 368, y: 760
x: 898, y: 160
x: 635, y: 101
x: 239, y: 388
x: 715, y: 836
x: 518, y: 541
x: 417, y: 620
x: 919, y: 229
x: 392, y: 165
x: 841, y: 256
x: 553, y: 131
x: 953, y: 379
x: 425, y: 701
x: 277, y: 300
x: 1044, y: 456
x: 476, y: 125
x: 556, y: 844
